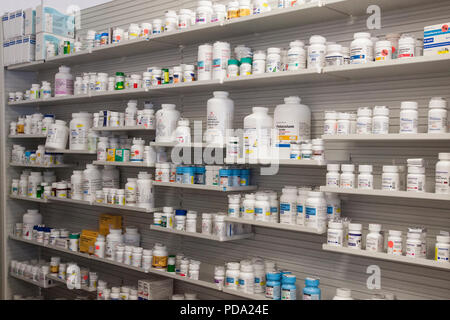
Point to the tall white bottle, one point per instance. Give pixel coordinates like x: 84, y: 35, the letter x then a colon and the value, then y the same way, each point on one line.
x: 257, y: 134
x: 219, y: 117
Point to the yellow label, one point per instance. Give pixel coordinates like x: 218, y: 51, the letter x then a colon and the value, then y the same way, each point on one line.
x: 244, y: 12
x: 80, y: 125
x: 287, y: 138
x: 231, y: 14
x: 249, y: 211
x: 159, y: 262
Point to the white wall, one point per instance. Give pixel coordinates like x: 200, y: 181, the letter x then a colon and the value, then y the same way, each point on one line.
x: 61, y: 5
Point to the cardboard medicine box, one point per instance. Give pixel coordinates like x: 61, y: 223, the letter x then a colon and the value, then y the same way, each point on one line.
x: 109, y: 221
x: 436, y: 39
x: 87, y: 241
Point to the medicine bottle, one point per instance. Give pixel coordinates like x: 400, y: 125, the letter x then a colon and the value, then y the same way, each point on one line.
x: 335, y: 233
x: 233, y: 10
x: 390, y: 179
x: 248, y: 212
x: 333, y: 206
x: 234, y: 205
x: 246, y: 279
x: 245, y: 68
x: 334, y: 55
x: 343, y: 294
x: 288, y: 205
x: 191, y: 222
x: 380, y: 121
x: 416, y: 180
x: 312, y: 290
x: 347, y: 178
x: 361, y: 48
x: 333, y: 176
x: 354, y: 236
x: 273, y: 286
x: 233, y: 68
x: 288, y: 287
x: 63, y: 82
x: 318, y: 150
x: 374, y: 240
x: 365, y: 177
x: 409, y: 117
x: 364, y: 121
x: 437, y: 116
x: 100, y: 247
x: 442, y: 181
x: 442, y: 248
x: 406, y: 46
x: 383, y: 50
x: 273, y: 60
x: 413, y: 245
x: 343, y: 123
x: 259, y: 62
x: 232, y: 275
x: 262, y: 208
x: 296, y: 56
x: 395, y: 242
x: 330, y: 123
x: 316, y: 211
x: 316, y: 52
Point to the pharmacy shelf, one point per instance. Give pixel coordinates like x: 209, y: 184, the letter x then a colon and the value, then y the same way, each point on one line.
x: 388, y: 257
x: 272, y: 225
x: 281, y: 162
x: 201, y: 235
x: 204, y: 187
x: 187, y: 145
x: 36, y: 283
x: 392, y: 194
x: 163, y: 273
x: 67, y: 151
x: 28, y: 198
x: 27, y: 136
x: 105, y: 205
x: 123, y: 164
x: 59, y: 280
x: 125, y: 128
x: 44, y: 166
x: 388, y: 137
x: 251, y: 296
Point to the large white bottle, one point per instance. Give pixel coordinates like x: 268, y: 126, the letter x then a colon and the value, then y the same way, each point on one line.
x: 219, y: 118
x: 92, y: 181
x: 30, y: 219
x: 292, y: 120
x: 166, y: 122
x: 257, y: 134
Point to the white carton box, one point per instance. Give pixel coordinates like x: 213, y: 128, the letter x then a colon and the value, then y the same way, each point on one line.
x: 41, y: 43
x: 29, y: 48
x: 50, y: 20
x: 29, y: 21
x: 155, y: 289
x: 436, y: 39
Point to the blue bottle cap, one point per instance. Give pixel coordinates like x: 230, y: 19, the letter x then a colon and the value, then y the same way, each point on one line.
x: 273, y: 276
x: 312, y: 282
x: 180, y: 212
x: 288, y: 279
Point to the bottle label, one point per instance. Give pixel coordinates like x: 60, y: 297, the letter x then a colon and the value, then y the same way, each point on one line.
x: 311, y: 296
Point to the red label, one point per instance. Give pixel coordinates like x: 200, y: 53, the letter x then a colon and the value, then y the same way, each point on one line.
x: 390, y: 244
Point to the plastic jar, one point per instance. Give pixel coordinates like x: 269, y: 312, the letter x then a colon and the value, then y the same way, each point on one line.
x: 316, y: 211
x: 442, y: 248
x: 170, y: 21
x: 374, y: 240
x: 273, y: 286
x: 330, y: 123
x: 354, y: 236
x: 114, y: 238
x: 158, y: 26
x: 145, y: 198
x: 413, y: 245
x: 334, y: 55
x: 100, y: 247
x: 191, y: 222
x: 259, y: 62
x: 296, y: 56
x: 245, y: 68
x: 380, y: 121
x: 273, y: 60
x: 442, y: 180
x: 246, y: 279
x: 365, y: 177
x: 204, y: 12
x: 383, y: 50
x: 160, y: 256
x: 437, y: 115
x: 343, y: 294
x: 395, y: 243
x: 79, y: 130
x: 288, y: 287
x: 156, y: 77
x: 347, y: 178
x: 406, y: 46
x: 416, y: 179
x: 409, y: 117
x: 333, y: 177
x: 364, y: 121
x: 63, y: 82
x: 166, y: 122
x: 335, y: 234
x: 288, y: 205
x: 361, y: 48
x: 262, y: 208
x: 312, y: 290
x: 180, y: 220
x: 232, y: 275
x: 343, y: 123
x: 204, y: 62
x: 316, y: 52
x: 390, y: 179
x: 57, y: 135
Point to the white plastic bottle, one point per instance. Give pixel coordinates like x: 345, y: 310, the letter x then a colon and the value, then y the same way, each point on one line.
x: 29, y: 220
x: 347, y: 178
x: 395, y: 242
x: 334, y: 55
x: 273, y: 62
x: 335, y: 233
x: 409, y: 117
x: 259, y: 62
x: 316, y: 52
x: 57, y: 135
x: 333, y: 206
x: 442, y: 179
x: 414, y: 245
x: 416, y: 179
x: 131, y: 192
x: 248, y: 212
x: 316, y: 211
x: 262, y: 208
x: 383, y: 50
x: 145, y: 194
x: 442, y: 248
x: 296, y: 56
x: 63, y: 82
x: 183, y: 132
x: 343, y: 294
x: 204, y: 62
x: 361, y: 48
x: 221, y: 55
x: 130, y: 113
x: 333, y: 178
x: 137, y: 150
x: 257, y: 134
x: 79, y: 131
x: 390, y: 179
x: 380, y: 121
x: 406, y: 46
x: 365, y: 177
x: 301, y: 205
x: 288, y: 205
x: 92, y: 178
x: 166, y: 122
x: 354, y: 235
x: 437, y: 116
x: 292, y: 121
x: 330, y: 123
x: 77, y: 181
x: 364, y: 121
x: 374, y: 240
x: 219, y: 118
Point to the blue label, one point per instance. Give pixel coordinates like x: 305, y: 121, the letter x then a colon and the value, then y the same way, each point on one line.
x: 329, y: 210
x: 201, y: 64
x: 285, y: 207
x: 310, y: 211
x: 300, y: 209
x: 441, y: 44
x: 357, y: 57
x: 230, y: 280
x: 216, y: 62
x: 231, y: 210
x: 241, y: 282
x: 273, y: 209
x: 258, y: 210
x: 293, y: 156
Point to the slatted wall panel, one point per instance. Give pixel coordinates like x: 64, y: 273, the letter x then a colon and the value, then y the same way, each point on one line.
x: 298, y: 252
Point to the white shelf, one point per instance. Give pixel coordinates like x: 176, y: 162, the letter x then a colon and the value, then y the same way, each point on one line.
x: 201, y: 235
x: 189, y: 145
x: 36, y: 283
x: 281, y: 162
x: 389, y: 137
x: 67, y: 151
x: 129, y: 128
x: 105, y: 205
x: 28, y: 198
x: 51, y: 166
x: 123, y: 164
x: 163, y: 273
x: 250, y: 296
x: 204, y: 187
x: 273, y: 225
x: 393, y: 194
x: 27, y: 136
x: 389, y: 257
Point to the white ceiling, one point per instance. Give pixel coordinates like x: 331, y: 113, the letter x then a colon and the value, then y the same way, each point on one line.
x: 61, y: 5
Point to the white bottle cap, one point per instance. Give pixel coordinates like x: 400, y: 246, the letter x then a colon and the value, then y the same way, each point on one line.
x: 409, y: 105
